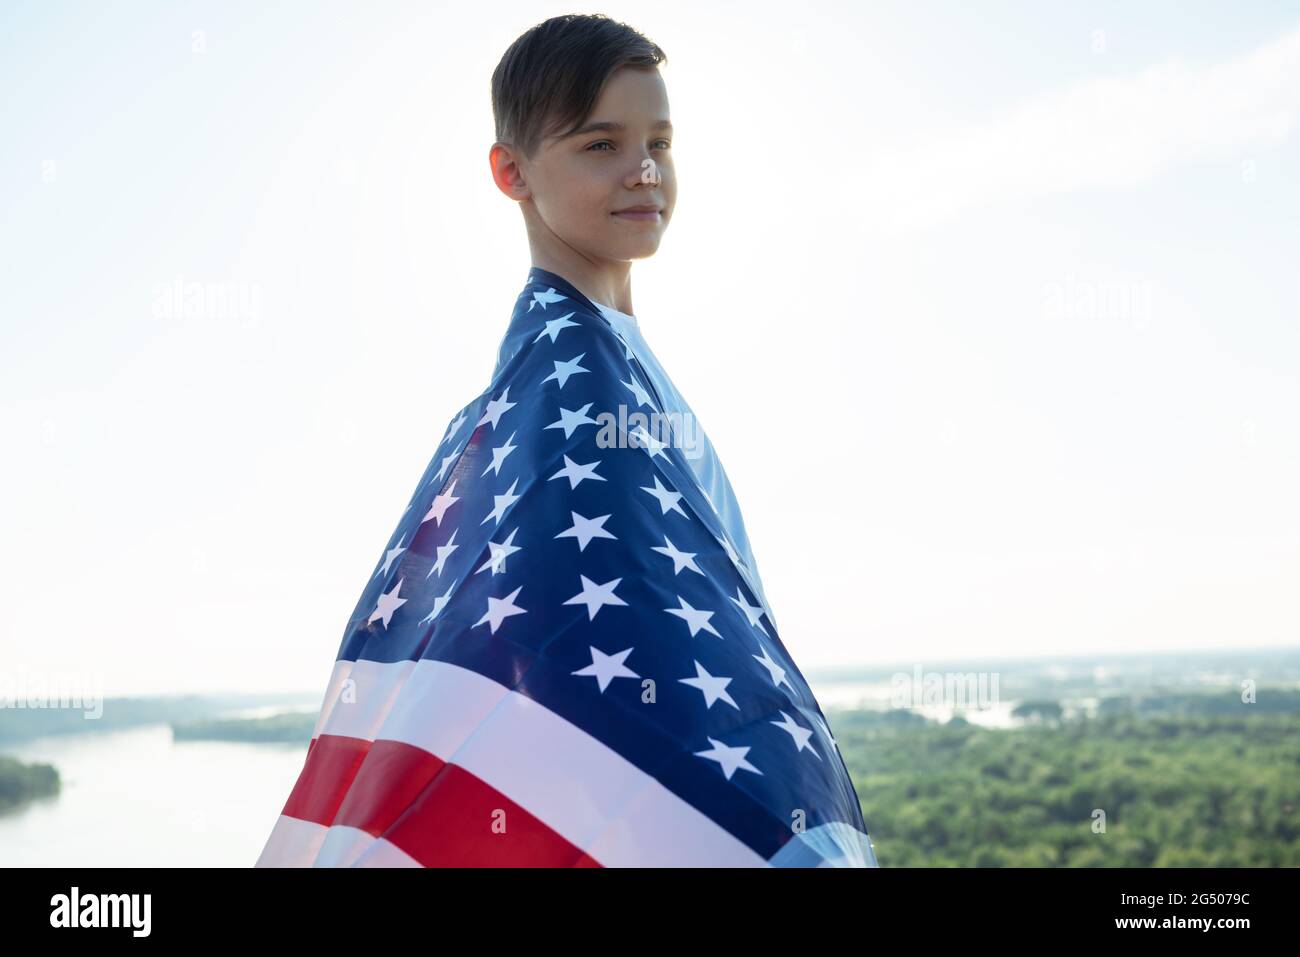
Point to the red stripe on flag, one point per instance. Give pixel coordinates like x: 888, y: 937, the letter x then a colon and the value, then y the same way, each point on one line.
x: 460, y: 821
x: 438, y: 813
x: 326, y: 775
x: 391, y: 777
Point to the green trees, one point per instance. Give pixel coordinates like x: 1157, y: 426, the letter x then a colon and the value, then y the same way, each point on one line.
x: 20, y: 782
x: 1132, y: 787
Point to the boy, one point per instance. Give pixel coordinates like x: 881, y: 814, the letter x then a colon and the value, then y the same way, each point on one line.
x: 565, y: 657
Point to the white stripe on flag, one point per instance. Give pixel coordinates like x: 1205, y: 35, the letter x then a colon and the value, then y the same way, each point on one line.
x: 342, y: 846
x: 362, y: 694
x: 296, y: 843
x: 293, y: 843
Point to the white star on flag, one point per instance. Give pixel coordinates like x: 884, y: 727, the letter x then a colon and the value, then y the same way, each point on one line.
x: 714, y: 688
x: 500, y: 551
x: 544, y: 299
x: 680, y: 559
x: 444, y: 552
x: 728, y: 757
x: 499, y: 455
x: 569, y: 421
x: 499, y: 609
x: 441, y: 502
x: 668, y: 499
x: 638, y: 390
x: 585, y: 529
x: 575, y: 473
x: 452, y: 429
x: 752, y: 612
x: 388, y: 560
x: 439, y: 603
x: 447, y: 460
x: 388, y: 604
x: 553, y: 327
x: 606, y: 668
x: 501, y: 503
x: 773, y: 669
x: 497, y: 408
x: 694, y: 617
x: 648, y: 442
x: 799, y: 735
x: 596, y: 596
x: 565, y: 369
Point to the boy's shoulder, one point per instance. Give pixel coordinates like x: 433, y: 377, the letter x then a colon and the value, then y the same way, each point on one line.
x: 553, y: 322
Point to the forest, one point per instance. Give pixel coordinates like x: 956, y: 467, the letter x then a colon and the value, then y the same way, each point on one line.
x: 1143, y: 784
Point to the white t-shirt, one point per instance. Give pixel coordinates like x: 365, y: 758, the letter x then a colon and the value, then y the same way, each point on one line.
x: 619, y: 320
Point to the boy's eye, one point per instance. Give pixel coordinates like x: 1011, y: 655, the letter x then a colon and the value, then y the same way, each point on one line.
x: 666, y: 145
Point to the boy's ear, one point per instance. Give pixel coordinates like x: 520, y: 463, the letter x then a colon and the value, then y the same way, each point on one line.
x: 506, y: 172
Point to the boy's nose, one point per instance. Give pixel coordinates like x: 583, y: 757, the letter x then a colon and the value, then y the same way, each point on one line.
x: 647, y: 171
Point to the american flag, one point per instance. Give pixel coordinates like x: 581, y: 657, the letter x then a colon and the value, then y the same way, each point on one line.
x: 564, y: 657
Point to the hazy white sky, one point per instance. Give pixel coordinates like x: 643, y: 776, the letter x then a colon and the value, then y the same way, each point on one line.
x: 989, y: 311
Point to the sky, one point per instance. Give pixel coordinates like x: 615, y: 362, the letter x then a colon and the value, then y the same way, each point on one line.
x: 989, y: 312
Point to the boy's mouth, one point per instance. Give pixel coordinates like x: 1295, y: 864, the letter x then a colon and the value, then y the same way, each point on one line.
x: 648, y: 213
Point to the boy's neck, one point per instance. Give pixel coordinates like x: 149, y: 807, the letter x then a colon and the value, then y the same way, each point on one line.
x: 609, y: 285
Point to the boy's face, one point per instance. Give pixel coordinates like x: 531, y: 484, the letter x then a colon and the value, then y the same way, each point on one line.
x: 579, y: 184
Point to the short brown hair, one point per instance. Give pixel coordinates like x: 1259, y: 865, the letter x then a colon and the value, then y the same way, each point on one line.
x: 550, y: 78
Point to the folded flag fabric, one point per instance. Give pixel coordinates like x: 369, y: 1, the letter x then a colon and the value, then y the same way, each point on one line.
x: 564, y: 657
